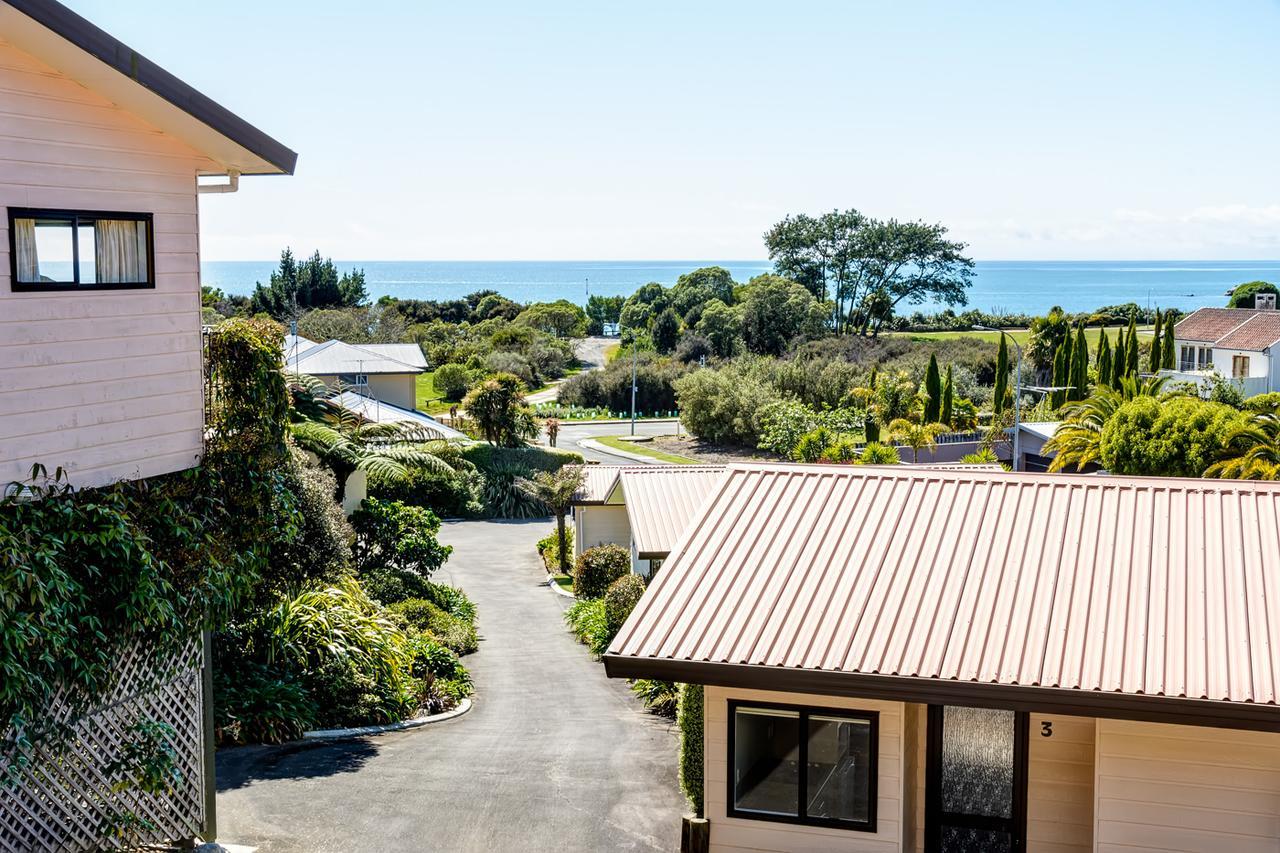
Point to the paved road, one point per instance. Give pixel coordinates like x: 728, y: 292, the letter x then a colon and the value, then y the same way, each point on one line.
x: 590, y: 352
x: 571, y: 436
x: 553, y: 756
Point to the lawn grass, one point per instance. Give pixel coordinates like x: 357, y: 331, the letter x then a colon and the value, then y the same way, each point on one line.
x: 430, y: 400
x: 563, y: 581
x: 639, y: 448
x: 1022, y: 336
x: 611, y: 352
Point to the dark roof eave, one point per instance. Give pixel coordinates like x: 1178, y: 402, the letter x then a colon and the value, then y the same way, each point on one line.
x: 1081, y: 703
x: 102, y: 45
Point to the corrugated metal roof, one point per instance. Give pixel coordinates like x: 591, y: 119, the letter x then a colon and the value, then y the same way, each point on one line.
x: 384, y: 413
x: 1210, y: 324
x: 410, y: 354
x: 943, y: 580
x: 662, y: 500
x: 598, y: 481
x: 335, y: 357
x: 1255, y: 334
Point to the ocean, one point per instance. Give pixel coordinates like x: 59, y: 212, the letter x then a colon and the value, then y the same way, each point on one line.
x: 1030, y: 287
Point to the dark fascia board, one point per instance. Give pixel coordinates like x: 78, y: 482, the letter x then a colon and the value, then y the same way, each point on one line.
x: 1076, y: 703
x: 98, y: 43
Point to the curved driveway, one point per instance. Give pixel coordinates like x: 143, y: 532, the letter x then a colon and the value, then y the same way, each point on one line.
x: 553, y: 756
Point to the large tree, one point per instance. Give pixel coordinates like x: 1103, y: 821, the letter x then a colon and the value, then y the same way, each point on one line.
x: 694, y: 289
x: 932, y: 391
x: 561, y: 318
x: 314, y: 283
x: 602, y: 310
x: 777, y: 311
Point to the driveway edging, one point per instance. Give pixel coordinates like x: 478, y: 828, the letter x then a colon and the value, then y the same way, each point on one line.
x: 359, y: 731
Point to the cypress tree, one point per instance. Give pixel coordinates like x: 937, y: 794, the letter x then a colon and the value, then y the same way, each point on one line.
x: 933, y: 391
x: 1079, y: 367
x: 1104, y: 359
x: 948, y: 394
x: 1002, y: 377
x: 1169, y: 353
x: 1156, y: 357
x: 1131, y: 350
x: 1060, y: 362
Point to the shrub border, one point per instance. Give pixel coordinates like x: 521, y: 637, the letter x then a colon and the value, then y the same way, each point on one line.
x: 359, y: 731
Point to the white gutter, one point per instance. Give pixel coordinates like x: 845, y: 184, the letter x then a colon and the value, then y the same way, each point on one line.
x: 232, y: 184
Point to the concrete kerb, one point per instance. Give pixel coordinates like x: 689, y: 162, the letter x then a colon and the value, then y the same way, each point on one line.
x: 360, y: 731
x: 557, y: 589
x: 592, y: 444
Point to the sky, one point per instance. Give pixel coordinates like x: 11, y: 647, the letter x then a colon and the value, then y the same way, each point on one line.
x: 677, y: 130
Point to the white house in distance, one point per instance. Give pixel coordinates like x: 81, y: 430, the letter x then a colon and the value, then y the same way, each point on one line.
x: 100, y: 152
x: 386, y: 372
x: 908, y: 659
x: 644, y: 508
x: 1236, y: 343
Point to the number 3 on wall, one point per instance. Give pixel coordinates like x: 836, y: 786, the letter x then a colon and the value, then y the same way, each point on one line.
x: 1046, y: 728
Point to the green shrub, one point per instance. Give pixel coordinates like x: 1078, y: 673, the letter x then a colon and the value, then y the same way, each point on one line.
x: 452, y: 381
x: 843, y: 450
x: 876, y: 453
x: 349, y: 694
x: 421, y: 615
x: 443, y: 680
x: 322, y: 550
x: 620, y: 599
x: 782, y: 424
x: 1177, y: 437
x: 487, y: 456
x: 598, y: 567
x: 459, y: 494
x: 610, y: 388
x: 1269, y: 402
x: 395, y: 534
x: 451, y: 600
x: 689, y: 721
x: 257, y: 705
x: 549, y: 548
x: 502, y: 466
x: 812, y: 445
x: 660, y: 697
x: 724, y: 405
x: 587, y: 621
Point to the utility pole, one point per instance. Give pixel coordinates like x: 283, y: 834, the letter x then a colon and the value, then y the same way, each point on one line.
x: 633, y: 384
x: 1017, y: 397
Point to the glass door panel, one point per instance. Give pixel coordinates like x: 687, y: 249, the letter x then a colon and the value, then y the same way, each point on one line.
x: 976, y: 780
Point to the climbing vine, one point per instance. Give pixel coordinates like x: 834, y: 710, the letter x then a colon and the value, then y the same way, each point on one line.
x: 83, y: 573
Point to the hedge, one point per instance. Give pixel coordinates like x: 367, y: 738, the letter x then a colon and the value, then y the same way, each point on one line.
x: 689, y: 721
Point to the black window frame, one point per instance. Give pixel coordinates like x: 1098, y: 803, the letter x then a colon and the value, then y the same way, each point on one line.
x: 804, y: 712
x: 75, y: 217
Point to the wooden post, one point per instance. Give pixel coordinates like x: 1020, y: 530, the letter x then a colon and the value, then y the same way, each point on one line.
x: 210, y: 832
x: 695, y: 835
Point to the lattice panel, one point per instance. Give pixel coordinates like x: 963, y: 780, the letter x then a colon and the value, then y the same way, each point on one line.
x: 63, y: 800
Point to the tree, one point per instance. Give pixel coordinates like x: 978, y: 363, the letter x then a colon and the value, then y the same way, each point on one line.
x: 497, y: 406
x: 1252, y: 449
x: 1176, y: 437
x: 452, y: 381
x: 666, y: 331
x: 561, y: 319
x: 555, y: 490
x: 777, y: 311
x: 722, y: 326
x: 1047, y: 334
x: 798, y: 253
x: 1169, y: 352
x: 1062, y: 371
x: 1079, y: 367
x: 493, y: 305
x: 694, y: 289
x: 916, y: 436
x: 1155, y: 358
x: 932, y: 391
x: 602, y: 310
x: 948, y: 395
x: 295, y: 287
x: 1131, y: 349
x: 1243, y: 295
x: 1002, y: 377
x: 876, y: 453
x: 1104, y: 359
x: 345, y: 443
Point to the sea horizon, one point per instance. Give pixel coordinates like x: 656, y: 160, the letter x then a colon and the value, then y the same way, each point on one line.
x: 1010, y: 286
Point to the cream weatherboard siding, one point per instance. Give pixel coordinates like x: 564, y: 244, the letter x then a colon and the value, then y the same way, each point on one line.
x: 106, y: 384
x: 600, y: 525
x: 1186, y: 789
x: 736, y: 835
x: 1060, y: 784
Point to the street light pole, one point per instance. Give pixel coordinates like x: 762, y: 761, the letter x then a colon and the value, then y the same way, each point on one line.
x: 633, y: 385
x: 1017, y: 397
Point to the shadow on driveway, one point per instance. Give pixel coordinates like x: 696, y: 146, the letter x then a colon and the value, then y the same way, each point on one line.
x: 241, y: 766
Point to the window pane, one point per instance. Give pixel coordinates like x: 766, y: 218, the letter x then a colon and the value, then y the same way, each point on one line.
x: 88, y: 254
x: 977, y: 761
x: 839, y: 769
x: 121, y: 251
x: 44, y: 250
x: 766, y: 761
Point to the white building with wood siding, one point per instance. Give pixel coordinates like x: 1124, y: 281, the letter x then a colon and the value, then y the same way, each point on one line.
x: 901, y: 659
x: 100, y: 152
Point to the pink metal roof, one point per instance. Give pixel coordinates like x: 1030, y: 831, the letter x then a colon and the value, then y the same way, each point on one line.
x: 662, y: 500
x: 598, y: 482
x: 1137, y: 587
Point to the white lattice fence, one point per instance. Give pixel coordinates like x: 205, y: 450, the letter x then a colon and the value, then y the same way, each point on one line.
x: 63, y: 799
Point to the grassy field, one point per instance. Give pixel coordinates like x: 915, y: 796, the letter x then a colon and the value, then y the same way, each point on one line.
x: 429, y: 399
x: 1019, y: 335
x: 638, y: 447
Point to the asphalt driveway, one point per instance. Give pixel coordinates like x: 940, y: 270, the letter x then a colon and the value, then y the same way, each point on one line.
x: 553, y: 756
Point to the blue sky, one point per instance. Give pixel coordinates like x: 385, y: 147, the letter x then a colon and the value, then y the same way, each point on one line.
x: 512, y: 130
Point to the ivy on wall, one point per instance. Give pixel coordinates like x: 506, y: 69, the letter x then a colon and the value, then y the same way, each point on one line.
x: 85, y: 572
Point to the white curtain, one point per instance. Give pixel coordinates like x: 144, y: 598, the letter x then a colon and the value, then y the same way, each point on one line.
x: 121, y: 255
x: 24, y: 241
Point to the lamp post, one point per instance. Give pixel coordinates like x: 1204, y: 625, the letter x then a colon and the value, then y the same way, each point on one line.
x: 1017, y: 397
x: 633, y: 379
